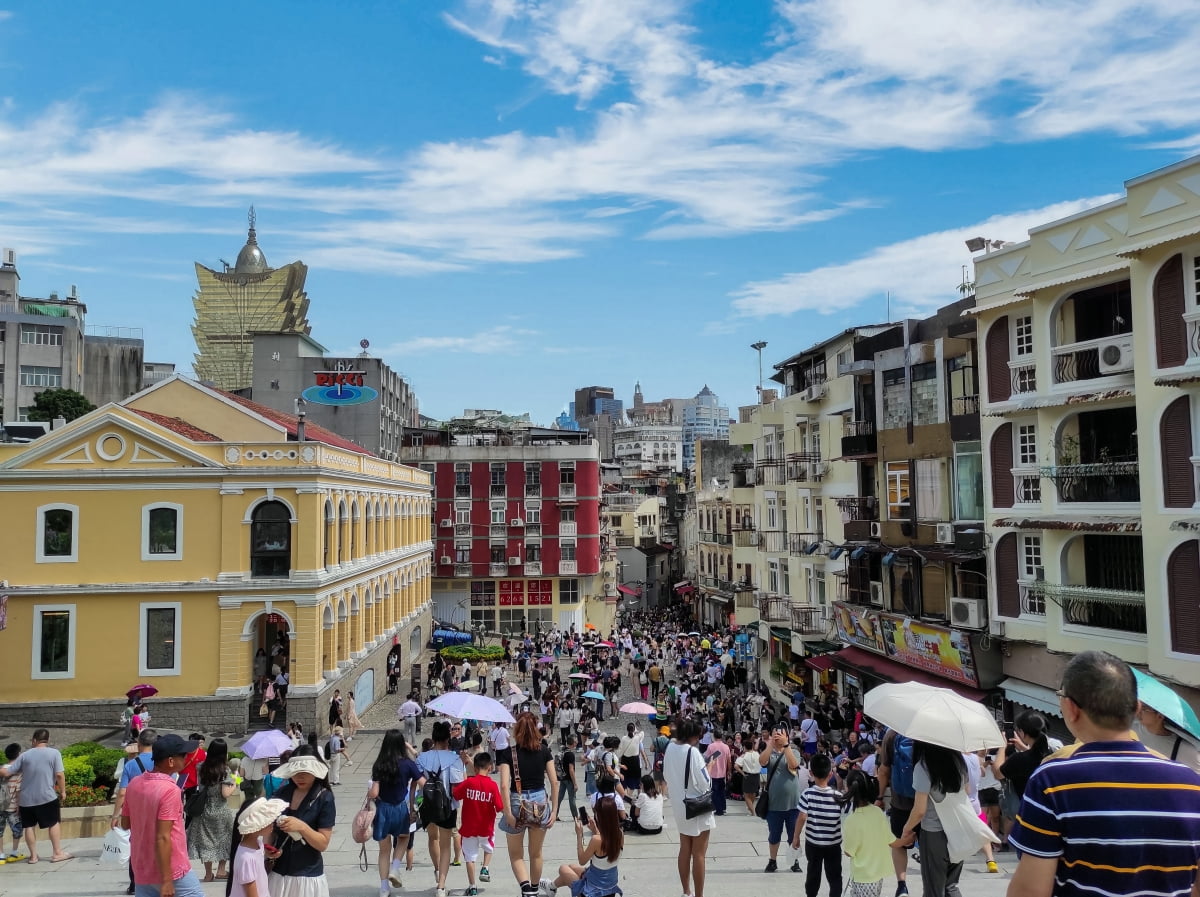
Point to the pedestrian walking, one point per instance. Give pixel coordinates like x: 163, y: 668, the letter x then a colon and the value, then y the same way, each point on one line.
x: 686, y: 776
x: 210, y: 830
x: 528, y: 779
x: 819, y: 817
x: 781, y: 760
x: 43, y: 789
x: 304, y: 829
x: 480, y: 799
x: 937, y: 773
x: 866, y: 836
x: 396, y: 781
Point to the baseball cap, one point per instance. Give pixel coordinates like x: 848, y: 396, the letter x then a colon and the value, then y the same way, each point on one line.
x: 172, y: 746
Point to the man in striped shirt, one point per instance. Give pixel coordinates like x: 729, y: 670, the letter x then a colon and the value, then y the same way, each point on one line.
x: 821, y: 821
x: 1114, y: 818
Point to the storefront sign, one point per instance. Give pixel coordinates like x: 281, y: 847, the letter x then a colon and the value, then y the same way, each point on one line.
x: 937, y: 649
x: 858, y: 626
x: 341, y: 386
x: 793, y: 677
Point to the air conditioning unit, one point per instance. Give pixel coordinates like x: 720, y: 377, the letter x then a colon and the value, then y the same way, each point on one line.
x: 968, y: 613
x: 1117, y: 356
x: 516, y: 521
x: 876, y: 529
x: 877, y: 594
x: 514, y: 562
x: 944, y: 534
x: 447, y: 523
x: 445, y: 559
x: 814, y: 392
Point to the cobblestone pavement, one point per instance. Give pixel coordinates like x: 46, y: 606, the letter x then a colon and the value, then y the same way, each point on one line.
x: 736, y: 856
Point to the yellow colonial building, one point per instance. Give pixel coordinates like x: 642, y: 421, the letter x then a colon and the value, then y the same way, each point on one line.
x: 165, y: 540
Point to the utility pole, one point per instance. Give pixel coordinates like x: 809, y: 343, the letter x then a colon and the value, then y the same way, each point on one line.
x: 759, y: 346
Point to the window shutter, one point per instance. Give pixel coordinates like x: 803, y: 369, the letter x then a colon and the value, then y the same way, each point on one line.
x: 1175, y: 443
x: 999, y: 379
x: 1003, y: 495
x: 1183, y: 597
x: 1008, y: 594
x: 1170, y: 334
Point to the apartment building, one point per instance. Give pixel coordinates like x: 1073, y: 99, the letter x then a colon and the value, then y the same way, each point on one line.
x: 1090, y: 330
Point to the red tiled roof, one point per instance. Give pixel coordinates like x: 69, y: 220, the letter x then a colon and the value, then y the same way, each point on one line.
x: 312, y: 432
x: 177, y: 425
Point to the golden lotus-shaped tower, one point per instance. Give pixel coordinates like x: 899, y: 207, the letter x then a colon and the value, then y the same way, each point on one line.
x: 239, y: 301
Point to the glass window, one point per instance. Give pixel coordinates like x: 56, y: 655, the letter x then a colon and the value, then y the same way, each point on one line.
x: 568, y: 551
x: 566, y: 474
x: 1027, y: 453
x: 498, y: 509
x: 1023, y: 335
x: 462, y: 478
x: 899, y: 497
x: 1031, y: 571
x: 41, y: 335
x: 498, y: 471
x: 163, y: 532
x: 54, y: 653
x: 512, y: 620
x: 462, y: 553
x: 39, y: 375
x: 924, y: 371
x: 533, y: 515
x: 968, y: 480
x: 160, y: 631
x: 893, y: 377
x: 566, y: 515
x: 568, y: 591
x: 483, y: 618
x: 497, y: 554
x: 533, y: 474
x: 533, y: 554
x: 483, y: 593
x: 271, y: 540
x: 462, y: 515
x: 58, y: 533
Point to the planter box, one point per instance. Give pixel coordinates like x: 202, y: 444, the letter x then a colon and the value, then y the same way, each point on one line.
x: 86, y: 822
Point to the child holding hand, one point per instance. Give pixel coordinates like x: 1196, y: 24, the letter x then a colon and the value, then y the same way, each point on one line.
x: 248, y: 861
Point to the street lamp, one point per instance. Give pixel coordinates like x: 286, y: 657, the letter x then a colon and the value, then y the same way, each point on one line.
x: 759, y: 346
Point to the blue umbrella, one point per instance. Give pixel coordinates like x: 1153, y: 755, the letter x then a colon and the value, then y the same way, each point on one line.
x: 593, y: 694
x: 1159, y: 696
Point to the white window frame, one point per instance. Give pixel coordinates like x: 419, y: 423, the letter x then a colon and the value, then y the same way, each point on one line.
x: 898, y: 510
x: 36, y: 652
x: 1027, y: 437
x: 42, y: 335
x: 175, y: 670
x: 177, y: 554
x: 497, y: 511
x: 931, y: 489
x: 1022, y: 335
x: 1026, y: 573
x: 40, y: 544
x: 39, y: 375
x: 462, y: 515
x: 565, y: 546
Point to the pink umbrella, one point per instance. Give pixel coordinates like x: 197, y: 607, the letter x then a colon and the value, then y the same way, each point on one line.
x: 606, y: 644
x: 545, y: 660
x: 641, y: 708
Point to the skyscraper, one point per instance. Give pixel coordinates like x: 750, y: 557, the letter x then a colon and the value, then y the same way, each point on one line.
x: 239, y: 301
x: 704, y: 417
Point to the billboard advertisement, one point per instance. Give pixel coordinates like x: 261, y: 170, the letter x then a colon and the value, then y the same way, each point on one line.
x: 924, y: 646
x: 858, y: 626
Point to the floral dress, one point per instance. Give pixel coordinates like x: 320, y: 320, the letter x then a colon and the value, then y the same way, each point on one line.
x: 210, y: 833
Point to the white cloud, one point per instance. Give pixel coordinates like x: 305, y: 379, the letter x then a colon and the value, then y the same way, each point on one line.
x: 499, y: 340
x: 921, y: 273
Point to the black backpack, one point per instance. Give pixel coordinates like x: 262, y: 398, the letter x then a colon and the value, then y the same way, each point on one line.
x: 435, y: 801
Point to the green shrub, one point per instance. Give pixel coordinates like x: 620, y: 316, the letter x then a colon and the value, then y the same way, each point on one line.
x: 83, y: 749
x: 472, y: 652
x: 78, y: 771
x: 236, y: 755
x: 85, y: 796
x: 104, y: 764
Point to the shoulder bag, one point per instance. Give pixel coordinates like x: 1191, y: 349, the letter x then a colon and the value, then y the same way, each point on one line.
x: 528, y: 813
x: 762, y: 806
x: 965, y: 832
x: 694, y: 806
x: 361, y: 829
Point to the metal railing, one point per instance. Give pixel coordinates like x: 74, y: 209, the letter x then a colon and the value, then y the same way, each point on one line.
x: 858, y: 507
x: 462, y: 490
x: 495, y: 569
x: 1081, y: 360
x: 1118, y: 609
x: 568, y: 568
x: 533, y: 568
x: 746, y: 538
x: 533, y: 490
x: 810, y: 619
x: 533, y: 532
x: 1024, y: 376
x: 1027, y: 486
x: 566, y: 491
x: 1101, y: 481
x: 1033, y: 600
x: 773, y: 541
x: 774, y: 609
x: 799, y: 543
x: 963, y: 405
x: 858, y: 428
x: 567, y: 528
x: 462, y: 569
x: 498, y: 490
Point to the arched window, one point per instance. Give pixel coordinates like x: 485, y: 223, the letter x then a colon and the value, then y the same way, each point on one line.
x: 271, y: 540
x: 330, y: 535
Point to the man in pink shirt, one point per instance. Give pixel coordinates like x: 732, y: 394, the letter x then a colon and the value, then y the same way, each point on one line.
x: 719, y: 759
x: 153, y: 814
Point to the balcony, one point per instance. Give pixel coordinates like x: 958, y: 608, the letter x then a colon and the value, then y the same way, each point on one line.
x: 800, y: 543
x: 1027, y: 484
x: 810, y: 619
x: 744, y: 476
x: 964, y: 418
x: 625, y: 542
x: 775, y: 609
x: 773, y: 541
x: 746, y: 538
x: 498, y: 531
x: 859, y: 439
x: 533, y: 568
x: 462, y: 490
x: 568, y: 568
x: 770, y: 472
x: 803, y: 466
x: 462, y: 569
x: 1116, y: 609
x: 856, y: 367
x: 1102, y: 481
x: 498, y: 490
x: 495, y: 569
x: 567, y: 528
x: 566, y: 492
x: 1024, y: 376
x: 858, y: 507
x: 1090, y: 359
x: 533, y: 532
x: 533, y: 490
x: 1033, y: 600
x: 462, y: 529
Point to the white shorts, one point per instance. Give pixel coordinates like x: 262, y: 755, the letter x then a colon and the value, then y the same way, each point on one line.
x: 473, y: 845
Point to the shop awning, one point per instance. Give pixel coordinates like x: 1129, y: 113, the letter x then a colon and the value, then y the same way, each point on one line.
x: 628, y: 590
x: 684, y: 584
x: 715, y: 599
x: 1029, y: 694
x: 858, y: 660
x: 820, y: 662
x: 685, y: 590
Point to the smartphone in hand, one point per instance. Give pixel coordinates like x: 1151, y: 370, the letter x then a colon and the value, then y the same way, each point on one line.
x: 583, y: 815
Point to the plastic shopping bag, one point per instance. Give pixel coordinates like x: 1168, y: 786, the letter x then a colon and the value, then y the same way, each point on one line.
x: 114, y: 852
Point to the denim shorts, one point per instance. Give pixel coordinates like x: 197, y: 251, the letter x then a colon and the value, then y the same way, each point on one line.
x: 11, y: 821
x: 538, y: 797
x: 777, y: 820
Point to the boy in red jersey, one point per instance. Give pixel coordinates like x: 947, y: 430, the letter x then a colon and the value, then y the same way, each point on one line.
x: 480, y: 797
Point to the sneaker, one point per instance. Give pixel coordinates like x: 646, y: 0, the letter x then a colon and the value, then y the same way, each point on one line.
x: 992, y: 867
x: 484, y: 874
x: 394, y: 879
x: 771, y: 866
x: 456, y: 863
x: 796, y: 866
x: 901, y: 888
x: 471, y: 891
x: 546, y: 888
x: 440, y: 892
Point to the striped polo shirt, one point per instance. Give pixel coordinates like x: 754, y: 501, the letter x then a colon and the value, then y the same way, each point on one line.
x: 1120, y: 819
x: 823, y: 826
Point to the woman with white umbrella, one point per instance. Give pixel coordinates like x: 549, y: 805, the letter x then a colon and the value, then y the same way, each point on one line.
x: 937, y: 773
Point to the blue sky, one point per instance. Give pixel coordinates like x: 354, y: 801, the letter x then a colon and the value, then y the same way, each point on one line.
x: 512, y: 198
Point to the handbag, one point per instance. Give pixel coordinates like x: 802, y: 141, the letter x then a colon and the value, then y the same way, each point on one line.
x: 965, y: 832
x: 694, y: 806
x: 528, y: 813
x: 262, y: 709
x: 195, y: 805
x: 114, y: 851
x: 363, y: 825
x: 763, y: 804
x: 1010, y: 801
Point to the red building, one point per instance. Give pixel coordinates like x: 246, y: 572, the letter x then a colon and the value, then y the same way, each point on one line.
x: 516, y: 528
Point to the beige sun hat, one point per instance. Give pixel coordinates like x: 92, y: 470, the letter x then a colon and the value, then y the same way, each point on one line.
x: 311, y: 765
x: 259, y: 814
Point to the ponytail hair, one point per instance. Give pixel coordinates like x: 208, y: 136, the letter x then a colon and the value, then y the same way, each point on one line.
x: 1033, y: 724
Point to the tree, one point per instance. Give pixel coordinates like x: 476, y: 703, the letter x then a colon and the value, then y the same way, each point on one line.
x: 67, y: 403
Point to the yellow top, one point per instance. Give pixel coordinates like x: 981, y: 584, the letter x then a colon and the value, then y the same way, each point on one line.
x: 865, y: 839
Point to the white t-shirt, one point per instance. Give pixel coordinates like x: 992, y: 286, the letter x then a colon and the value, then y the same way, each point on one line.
x: 650, y: 810
x: 499, y: 738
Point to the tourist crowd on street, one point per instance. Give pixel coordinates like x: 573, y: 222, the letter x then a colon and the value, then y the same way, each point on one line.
x: 697, y: 730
